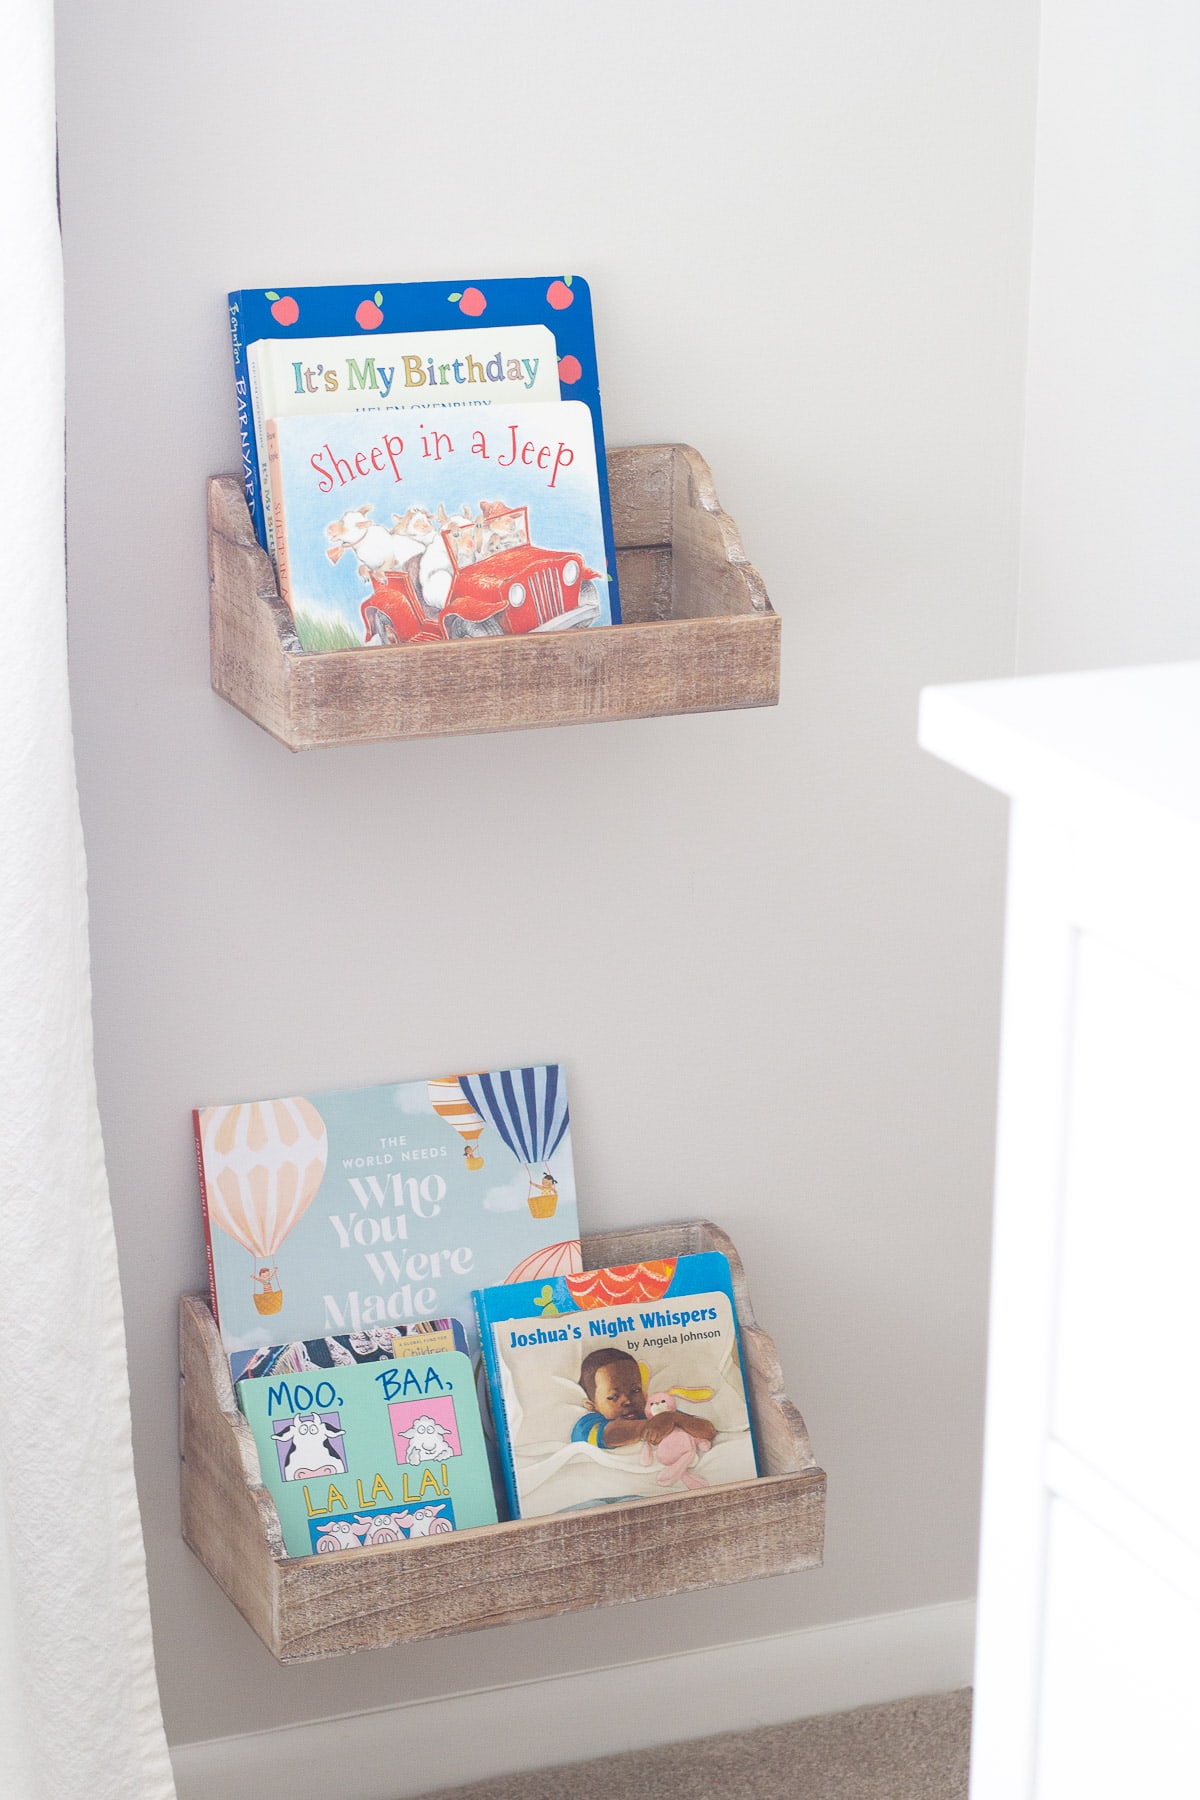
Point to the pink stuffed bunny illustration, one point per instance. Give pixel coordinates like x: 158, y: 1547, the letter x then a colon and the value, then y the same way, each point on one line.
x: 679, y: 1451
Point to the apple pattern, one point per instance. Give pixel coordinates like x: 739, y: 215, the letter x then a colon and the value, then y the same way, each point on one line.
x: 470, y: 301
x: 559, y: 293
x: 368, y: 314
x: 284, y: 309
x: 569, y: 369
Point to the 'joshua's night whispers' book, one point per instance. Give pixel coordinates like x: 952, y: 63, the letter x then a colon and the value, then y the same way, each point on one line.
x: 617, y: 1384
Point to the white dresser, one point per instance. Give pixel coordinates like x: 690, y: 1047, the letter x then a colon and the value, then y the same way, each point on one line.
x: 1088, y: 1653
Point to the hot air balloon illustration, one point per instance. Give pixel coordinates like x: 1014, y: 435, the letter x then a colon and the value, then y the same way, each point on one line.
x: 555, y: 1259
x: 263, y: 1163
x: 450, y: 1103
x: 620, y: 1286
x: 528, y: 1107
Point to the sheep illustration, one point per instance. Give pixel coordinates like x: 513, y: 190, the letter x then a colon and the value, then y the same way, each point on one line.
x: 427, y: 1441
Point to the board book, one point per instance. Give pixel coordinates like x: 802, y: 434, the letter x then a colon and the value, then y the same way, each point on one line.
x: 378, y: 1343
x: 437, y: 371
x: 405, y: 527
x: 339, y: 325
x: 617, y: 1384
x: 372, y: 1453
x: 337, y: 1212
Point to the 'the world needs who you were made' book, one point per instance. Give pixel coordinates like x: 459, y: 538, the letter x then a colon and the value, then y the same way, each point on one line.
x: 434, y: 344
x: 372, y: 1452
x: 617, y: 1384
x: 398, y: 527
x: 339, y: 1212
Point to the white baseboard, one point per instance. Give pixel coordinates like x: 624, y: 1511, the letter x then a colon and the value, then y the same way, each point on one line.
x: 408, y: 1751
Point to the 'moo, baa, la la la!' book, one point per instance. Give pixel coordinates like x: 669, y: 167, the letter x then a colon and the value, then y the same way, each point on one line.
x: 338, y: 1212
x: 352, y: 320
x: 372, y: 1453
x: 402, y: 527
x: 617, y: 1384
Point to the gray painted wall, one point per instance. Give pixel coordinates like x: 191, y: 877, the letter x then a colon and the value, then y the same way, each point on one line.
x: 766, y: 945
x: 1110, y: 548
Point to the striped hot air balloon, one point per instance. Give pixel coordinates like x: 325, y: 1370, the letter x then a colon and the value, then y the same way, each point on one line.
x: 450, y: 1103
x: 555, y: 1259
x: 528, y: 1107
x: 631, y: 1282
x: 263, y: 1163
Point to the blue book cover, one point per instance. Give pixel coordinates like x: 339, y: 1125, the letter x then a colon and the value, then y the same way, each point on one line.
x: 399, y: 527
x: 333, y: 330
x: 372, y: 1453
x: 617, y: 1384
x: 335, y: 1213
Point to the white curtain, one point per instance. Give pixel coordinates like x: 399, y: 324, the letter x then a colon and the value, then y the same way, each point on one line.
x: 79, y: 1714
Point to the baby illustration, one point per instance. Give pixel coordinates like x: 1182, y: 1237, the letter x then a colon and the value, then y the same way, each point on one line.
x: 615, y: 1385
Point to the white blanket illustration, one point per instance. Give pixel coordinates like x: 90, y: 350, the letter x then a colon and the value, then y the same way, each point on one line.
x: 543, y: 1402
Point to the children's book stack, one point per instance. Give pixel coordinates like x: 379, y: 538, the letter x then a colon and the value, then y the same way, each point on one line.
x: 346, y: 1234
x: 383, y: 1260
x: 424, y: 461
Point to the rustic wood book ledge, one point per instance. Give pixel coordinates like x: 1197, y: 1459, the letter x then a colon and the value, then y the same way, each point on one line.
x: 315, y: 1606
x: 698, y: 632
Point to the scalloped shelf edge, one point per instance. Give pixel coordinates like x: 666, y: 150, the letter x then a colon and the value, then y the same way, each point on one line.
x: 304, y: 1608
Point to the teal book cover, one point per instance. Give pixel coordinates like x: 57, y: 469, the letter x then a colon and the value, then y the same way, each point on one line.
x: 334, y: 1213
x: 401, y: 527
x: 371, y: 1453
x: 617, y: 1384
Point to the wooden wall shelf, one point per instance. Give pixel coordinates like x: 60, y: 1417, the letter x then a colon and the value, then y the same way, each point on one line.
x: 316, y: 1606
x: 698, y: 632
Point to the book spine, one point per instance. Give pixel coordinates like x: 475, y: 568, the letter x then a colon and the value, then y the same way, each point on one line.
x: 279, y: 549
x: 246, y: 422
x: 499, y: 1416
x: 212, y: 1273
x: 261, y: 412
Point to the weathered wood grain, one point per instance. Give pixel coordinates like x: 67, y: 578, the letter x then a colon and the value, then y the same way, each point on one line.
x: 315, y: 1606
x: 699, y: 634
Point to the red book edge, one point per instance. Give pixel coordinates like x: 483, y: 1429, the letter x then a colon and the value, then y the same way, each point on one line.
x: 212, y: 1273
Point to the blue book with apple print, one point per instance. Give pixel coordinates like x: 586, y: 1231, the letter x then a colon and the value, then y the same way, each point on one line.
x: 435, y: 345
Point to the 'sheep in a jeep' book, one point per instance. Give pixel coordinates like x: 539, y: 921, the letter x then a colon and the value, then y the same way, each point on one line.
x: 337, y: 1213
x: 617, y: 1384
x: 403, y: 527
x: 371, y: 1453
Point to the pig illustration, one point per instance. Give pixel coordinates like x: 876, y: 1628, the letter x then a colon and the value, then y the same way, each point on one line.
x: 424, y: 1522
x: 339, y: 1534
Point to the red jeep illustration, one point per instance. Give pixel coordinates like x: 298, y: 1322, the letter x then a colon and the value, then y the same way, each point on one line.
x: 501, y: 586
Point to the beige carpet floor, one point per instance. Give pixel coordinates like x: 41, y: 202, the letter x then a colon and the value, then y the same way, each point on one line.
x: 907, y: 1750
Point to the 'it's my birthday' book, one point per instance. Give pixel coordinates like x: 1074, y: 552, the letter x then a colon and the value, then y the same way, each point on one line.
x: 335, y: 1213
x: 617, y: 1384
x: 372, y: 1453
